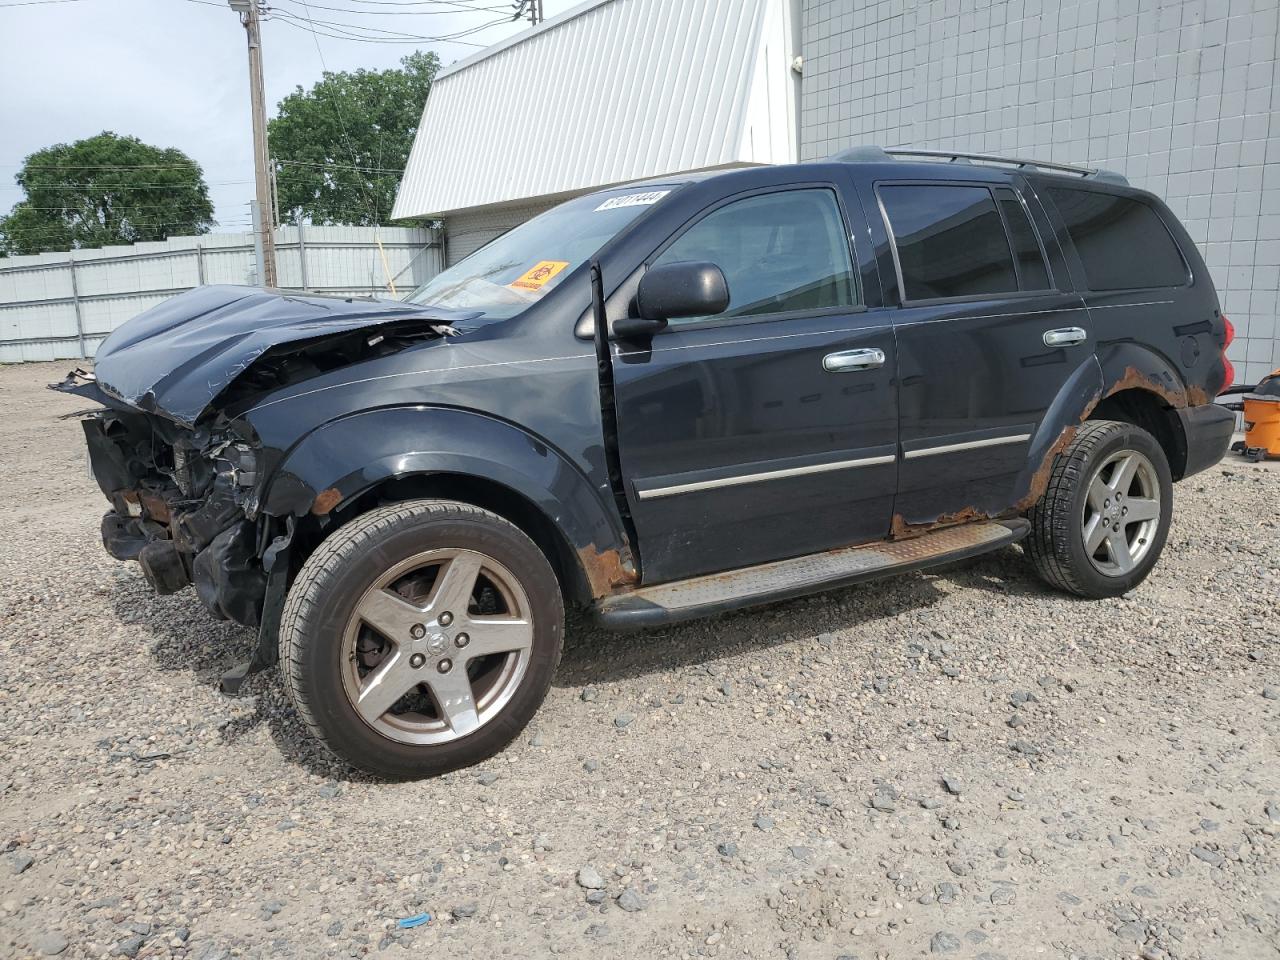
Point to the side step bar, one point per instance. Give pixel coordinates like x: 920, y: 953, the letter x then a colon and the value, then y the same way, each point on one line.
x: 769, y: 582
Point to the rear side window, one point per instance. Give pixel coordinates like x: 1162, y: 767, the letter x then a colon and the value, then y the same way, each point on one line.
x: 950, y: 240
x: 780, y: 252
x: 1123, y: 244
x: 1026, y: 248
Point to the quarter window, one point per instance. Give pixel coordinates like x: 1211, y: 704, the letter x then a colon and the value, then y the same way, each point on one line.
x: 950, y: 241
x: 780, y: 252
x: 1123, y: 244
x: 1026, y: 248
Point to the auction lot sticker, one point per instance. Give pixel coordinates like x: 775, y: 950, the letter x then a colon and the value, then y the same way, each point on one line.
x: 537, y: 277
x: 632, y: 200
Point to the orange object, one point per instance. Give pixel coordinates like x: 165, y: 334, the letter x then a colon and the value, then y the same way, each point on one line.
x: 1262, y: 418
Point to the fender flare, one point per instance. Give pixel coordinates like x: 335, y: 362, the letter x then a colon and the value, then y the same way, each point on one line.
x: 344, y: 458
x: 1115, y: 367
x: 1128, y: 366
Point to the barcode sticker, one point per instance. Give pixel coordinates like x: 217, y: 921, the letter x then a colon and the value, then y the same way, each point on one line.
x: 633, y: 200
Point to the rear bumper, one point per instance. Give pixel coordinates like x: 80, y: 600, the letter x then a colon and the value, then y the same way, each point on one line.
x: 1208, y: 430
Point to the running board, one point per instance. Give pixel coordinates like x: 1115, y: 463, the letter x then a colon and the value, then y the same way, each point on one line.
x: 769, y: 582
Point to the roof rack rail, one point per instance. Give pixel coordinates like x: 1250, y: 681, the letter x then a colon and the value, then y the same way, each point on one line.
x: 871, y: 154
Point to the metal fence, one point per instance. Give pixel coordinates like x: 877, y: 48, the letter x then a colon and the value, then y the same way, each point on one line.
x: 56, y: 306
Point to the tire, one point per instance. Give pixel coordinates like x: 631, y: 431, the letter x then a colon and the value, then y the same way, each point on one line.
x: 1066, y: 515
x: 379, y: 605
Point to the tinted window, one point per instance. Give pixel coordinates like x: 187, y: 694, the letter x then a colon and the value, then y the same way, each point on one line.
x: 1122, y: 243
x: 950, y: 241
x: 780, y: 252
x: 1026, y: 248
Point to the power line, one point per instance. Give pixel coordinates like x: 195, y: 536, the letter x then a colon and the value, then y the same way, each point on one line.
x: 337, y: 30
x: 76, y: 211
x: 130, y: 185
x: 459, y: 5
x: 343, y: 166
x: 182, y: 165
x: 351, y: 26
x: 402, y: 13
x: 337, y: 110
x: 35, y: 3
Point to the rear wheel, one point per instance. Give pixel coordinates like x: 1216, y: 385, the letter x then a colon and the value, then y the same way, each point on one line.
x: 1103, y: 520
x: 421, y: 637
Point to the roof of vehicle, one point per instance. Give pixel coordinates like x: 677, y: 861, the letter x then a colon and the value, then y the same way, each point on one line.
x: 873, y: 154
x: 880, y: 163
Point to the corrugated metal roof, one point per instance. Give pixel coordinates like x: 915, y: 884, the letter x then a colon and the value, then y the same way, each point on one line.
x: 608, y: 92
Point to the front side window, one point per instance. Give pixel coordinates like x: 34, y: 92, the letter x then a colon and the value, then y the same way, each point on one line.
x: 950, y: 241
x: 1123, y: 244
x: 520, y: 267
x: 780, y: 252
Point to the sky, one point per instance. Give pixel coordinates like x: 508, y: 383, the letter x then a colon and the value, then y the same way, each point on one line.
x: 174, y: 73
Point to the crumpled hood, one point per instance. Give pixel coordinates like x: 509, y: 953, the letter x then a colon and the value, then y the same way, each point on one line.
x: 176, y: 358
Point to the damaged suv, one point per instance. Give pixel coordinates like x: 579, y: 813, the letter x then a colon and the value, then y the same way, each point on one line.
x: 659, y: 402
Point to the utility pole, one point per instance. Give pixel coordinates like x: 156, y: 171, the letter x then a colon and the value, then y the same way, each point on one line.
x: 530, y: 8
x: 265, y: 222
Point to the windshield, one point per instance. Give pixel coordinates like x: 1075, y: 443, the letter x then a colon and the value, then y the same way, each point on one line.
x: 505, y: 276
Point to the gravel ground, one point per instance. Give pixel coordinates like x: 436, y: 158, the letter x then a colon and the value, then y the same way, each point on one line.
x: 958, y: 763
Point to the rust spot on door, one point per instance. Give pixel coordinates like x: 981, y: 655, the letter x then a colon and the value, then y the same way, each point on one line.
x: 901, y: 529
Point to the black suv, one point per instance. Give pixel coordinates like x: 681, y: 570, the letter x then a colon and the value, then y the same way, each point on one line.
x: 659, y: 402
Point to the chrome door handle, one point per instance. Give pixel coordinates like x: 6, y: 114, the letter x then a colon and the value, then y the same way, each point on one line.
x: 1064, y: 337
x: 848, y: 360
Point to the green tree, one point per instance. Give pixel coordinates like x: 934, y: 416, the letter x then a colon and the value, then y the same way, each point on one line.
x: 340, y: 146
x: 103, y: 190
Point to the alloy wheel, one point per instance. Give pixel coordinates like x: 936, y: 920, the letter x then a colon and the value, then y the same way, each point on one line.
x: 1121, y: 513
x: 437, y: 646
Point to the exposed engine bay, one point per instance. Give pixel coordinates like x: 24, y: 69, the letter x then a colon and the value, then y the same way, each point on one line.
x: 182, y: 468
x: 182, y: 507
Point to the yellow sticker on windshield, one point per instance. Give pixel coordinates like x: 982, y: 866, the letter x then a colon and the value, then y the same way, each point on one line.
x: 536, y: 278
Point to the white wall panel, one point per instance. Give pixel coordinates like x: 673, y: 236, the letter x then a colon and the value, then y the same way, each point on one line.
x: 608, y: 92
x: 1181, y: 96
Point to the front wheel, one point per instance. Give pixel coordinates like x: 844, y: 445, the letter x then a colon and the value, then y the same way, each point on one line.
x: 1103, y: 520
x: 421, y: 637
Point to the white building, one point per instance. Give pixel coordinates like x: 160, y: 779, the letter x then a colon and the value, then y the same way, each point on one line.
x: 608, y: 92
x: 1181, y: 96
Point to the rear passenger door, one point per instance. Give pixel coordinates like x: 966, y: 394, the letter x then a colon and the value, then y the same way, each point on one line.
x: 987, y: 335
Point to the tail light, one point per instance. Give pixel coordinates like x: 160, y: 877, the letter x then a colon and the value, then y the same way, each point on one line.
x: 1228, y: 371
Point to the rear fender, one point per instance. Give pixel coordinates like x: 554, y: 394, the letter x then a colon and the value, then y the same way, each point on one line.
x: 1078, y: 396
x: 1115, y: 368
x: 1129, y: 366
x: 346, y: 458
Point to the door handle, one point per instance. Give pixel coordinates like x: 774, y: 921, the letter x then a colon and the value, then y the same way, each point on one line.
x: 1064, y: 337
x: 848, y: 360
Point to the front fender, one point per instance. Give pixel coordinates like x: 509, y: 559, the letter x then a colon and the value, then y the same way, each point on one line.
x: 345, y: 458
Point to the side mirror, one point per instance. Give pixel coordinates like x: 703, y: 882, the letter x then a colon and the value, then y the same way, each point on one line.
x: 689, y: 289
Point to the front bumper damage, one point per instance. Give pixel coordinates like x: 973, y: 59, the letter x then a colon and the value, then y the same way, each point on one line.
x: 183, y: 506
x: 174, y: 448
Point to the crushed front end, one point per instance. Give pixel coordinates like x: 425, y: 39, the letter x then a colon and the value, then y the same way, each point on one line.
x: 182, y: 506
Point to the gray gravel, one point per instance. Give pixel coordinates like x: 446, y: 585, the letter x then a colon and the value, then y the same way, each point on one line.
x: 959, y: 763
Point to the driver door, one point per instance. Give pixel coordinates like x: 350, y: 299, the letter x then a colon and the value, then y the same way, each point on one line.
x: 767, y: 431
